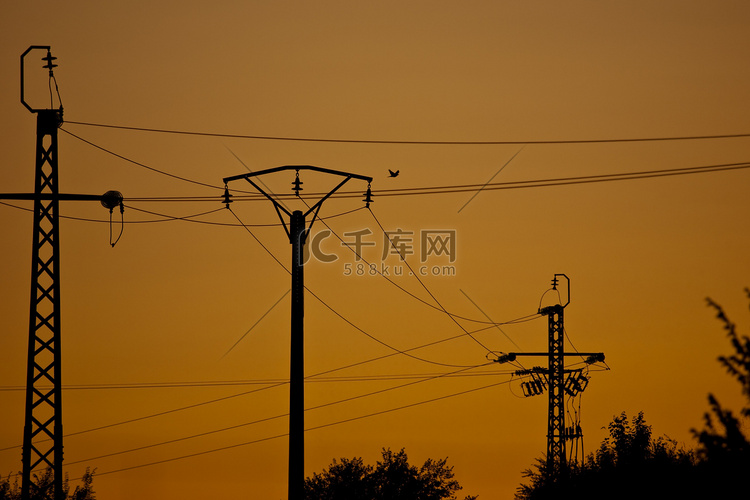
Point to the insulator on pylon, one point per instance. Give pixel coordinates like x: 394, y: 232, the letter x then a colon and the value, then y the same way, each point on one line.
x: 49, y: 60
x: 576, y: 383
x: 227, y: 196
x: 368, y: 197
x: 506, y: 358
x: 297, y: 185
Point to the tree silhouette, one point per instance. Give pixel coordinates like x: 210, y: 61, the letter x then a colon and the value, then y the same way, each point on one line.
x: 723, y: 446
x: 42, y: 487
x: 629, y: 463
x: 392, y: 478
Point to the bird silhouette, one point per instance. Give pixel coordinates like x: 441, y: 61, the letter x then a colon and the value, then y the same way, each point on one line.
x: 393, y: 174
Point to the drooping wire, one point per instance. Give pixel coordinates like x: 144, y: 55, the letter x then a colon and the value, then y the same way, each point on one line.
x: 141, y: 164
x: 322, y: 426
x: 275, y: 417
x: 247, y: 228
x: 267, y: 385
x: 413, y: 273
x: 562, y: 181
x: 407, y: 142
x: 122, y: 224
x: 317, y: 378
x: 559, y: 299
x: 380, y: 273
x: 341, y: 316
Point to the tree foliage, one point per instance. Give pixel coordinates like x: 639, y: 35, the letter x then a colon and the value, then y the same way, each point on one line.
x: 42, y: 487
x: 629, y: 463
x: 392, y: 478
x: 723, y: 447
x: 722, y: 439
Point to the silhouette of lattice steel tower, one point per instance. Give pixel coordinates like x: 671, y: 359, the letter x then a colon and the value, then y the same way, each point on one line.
x: 555, y: 391
x: 553, y: 379
x: 42, y: 436
x: 43, y: 430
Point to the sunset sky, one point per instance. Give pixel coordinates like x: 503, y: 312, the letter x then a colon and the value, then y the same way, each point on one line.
x: 155, y: 330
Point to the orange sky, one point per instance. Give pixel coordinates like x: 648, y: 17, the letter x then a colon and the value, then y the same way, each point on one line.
x: 167, y: 303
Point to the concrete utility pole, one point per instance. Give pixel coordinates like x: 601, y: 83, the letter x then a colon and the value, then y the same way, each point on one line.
x: 43, y: 420
x: 297, y: 233
x: 554, y: 380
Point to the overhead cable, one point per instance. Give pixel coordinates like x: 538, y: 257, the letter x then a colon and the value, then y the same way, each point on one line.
x: 411, y: 142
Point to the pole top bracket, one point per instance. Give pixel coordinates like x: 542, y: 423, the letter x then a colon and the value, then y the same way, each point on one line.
x: 48, y: 59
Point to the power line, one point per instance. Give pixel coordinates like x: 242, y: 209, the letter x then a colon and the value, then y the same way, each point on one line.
x: 266, y: 419
x: 269, y: 384
x: 457, y: 188
x: 411, y: 142
x: 380, y: 273
x: 440, y: 306
x: 234, y: 383
x: 140, y: 164
x: 566, y: 181
x: 466, y: 332
x: 172, y: 218
x: 322, y: 426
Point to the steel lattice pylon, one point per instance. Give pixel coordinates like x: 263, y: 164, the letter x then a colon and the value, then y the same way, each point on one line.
x: 555, y: 382
x: 42, y: 437
x: 556, y: 418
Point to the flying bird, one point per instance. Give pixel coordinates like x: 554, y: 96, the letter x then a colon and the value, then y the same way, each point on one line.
x: 393, y: 174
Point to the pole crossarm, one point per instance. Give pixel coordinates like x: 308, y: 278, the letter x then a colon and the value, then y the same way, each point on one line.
x: 48, y: 66
x: 102, y: 198
x: 280, y: 207
x: 545, y: 354
x: 297, y: 167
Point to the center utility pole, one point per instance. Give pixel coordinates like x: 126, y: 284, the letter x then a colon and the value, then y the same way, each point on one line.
x: 42, y: 436
x: 297, y: 232
x: 554, y: 380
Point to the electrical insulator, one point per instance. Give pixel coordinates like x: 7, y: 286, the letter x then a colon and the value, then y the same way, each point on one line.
x: 575, y: 383
x: 368, y: 197
x: 227, y: 197
x: 297, y: 185
x: 537, y: 385
x: 527, y: 390
x: 506, y: 358
x: 540, y: 382
x: 49, y: 60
